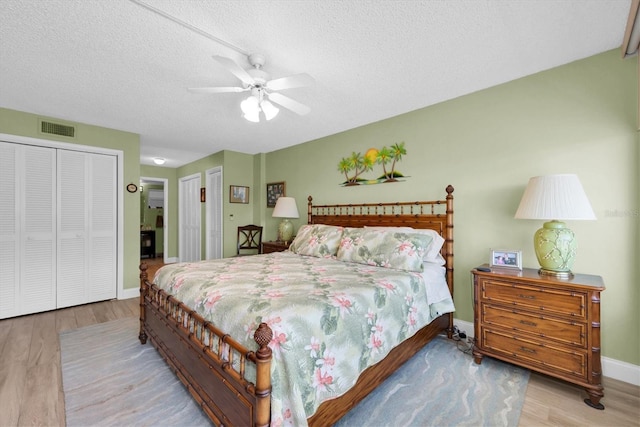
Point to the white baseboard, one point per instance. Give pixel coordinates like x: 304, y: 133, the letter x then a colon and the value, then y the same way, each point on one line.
x: 619, y: 370
x: 611, y: 368
x: 129, y: 293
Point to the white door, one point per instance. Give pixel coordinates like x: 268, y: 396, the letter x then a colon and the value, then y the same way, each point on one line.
x: 189, y: 218
x: 103, y: 227
x: 214, y: 212
x: 73, y: 192
x: 38, y: 226
x: 86, y: 223
x: 27, y: 229
x: 9, y: 230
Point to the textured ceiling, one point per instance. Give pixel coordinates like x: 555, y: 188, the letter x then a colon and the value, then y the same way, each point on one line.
x: 120, y: 65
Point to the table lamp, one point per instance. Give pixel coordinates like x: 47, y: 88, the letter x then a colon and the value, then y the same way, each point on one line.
x: 285, y: 208
x: 555, y: 198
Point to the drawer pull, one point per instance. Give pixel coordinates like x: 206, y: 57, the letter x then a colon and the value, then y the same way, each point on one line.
x: 527, y: 296
x: 528, y: 350
x: 525, y: 322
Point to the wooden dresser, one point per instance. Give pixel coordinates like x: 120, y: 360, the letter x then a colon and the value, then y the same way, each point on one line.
x: 542, y: 323
x: 268, y: 247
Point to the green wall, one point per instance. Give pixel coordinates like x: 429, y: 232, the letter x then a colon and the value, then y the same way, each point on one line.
x: 579, y: 118
x: 237, y: 169
x: 26, y: 124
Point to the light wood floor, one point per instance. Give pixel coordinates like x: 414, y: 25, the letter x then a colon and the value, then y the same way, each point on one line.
x: 31, y: 383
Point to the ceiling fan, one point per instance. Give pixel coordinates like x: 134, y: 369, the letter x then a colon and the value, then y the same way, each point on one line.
x: 263, y: 90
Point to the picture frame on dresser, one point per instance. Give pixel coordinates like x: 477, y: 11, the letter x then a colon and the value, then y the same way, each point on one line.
x: 506, y: 258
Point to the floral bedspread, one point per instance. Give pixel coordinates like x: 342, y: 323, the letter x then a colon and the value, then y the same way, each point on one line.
x: 330, y: 319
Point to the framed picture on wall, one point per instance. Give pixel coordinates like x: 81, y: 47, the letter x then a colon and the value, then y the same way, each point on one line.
x: 238, y: 194
x: 274, y: 190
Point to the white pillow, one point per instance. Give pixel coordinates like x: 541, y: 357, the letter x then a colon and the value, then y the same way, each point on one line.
x: 432, y: 253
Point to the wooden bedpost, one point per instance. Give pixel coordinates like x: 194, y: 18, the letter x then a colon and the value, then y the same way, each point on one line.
x: 142, y: 336
x: 309, y: 206
x: 449, y: 250
x: 263, y: 337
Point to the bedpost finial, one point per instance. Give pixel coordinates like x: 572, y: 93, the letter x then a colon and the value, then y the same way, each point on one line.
x: 449, y: 189
x: 309, y: 199
x: 143, y: 270
x: 263, y: 336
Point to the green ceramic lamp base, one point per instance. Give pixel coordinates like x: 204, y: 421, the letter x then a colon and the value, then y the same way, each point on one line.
x: 555, y: 248
x: 285, y: 230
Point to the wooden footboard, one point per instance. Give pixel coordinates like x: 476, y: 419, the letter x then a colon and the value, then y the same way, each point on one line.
x: 211, y: 364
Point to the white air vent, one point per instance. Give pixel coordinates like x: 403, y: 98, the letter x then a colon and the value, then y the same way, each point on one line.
x: 57, y: 129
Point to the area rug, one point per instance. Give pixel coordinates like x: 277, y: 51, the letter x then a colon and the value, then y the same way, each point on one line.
x: 110, y: 379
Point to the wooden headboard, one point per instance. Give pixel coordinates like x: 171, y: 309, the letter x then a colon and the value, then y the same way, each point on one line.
x: 436, y: 215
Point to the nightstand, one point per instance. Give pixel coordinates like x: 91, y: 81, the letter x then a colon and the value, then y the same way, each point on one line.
x: 542, y: 323
x: 147, y: 243
x: 268, y: 247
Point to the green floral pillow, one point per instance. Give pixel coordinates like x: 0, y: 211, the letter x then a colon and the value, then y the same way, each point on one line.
x: 317, y: 240
x: 432, y: 254
x: 392, y: 249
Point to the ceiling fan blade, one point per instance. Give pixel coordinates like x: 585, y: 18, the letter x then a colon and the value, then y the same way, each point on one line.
x: 217, y: 89
x: 234, y: 69
x: 297, y: 80
x: 289, y: 103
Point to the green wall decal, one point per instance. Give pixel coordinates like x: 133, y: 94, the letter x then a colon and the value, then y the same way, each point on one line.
x: 359, y: 164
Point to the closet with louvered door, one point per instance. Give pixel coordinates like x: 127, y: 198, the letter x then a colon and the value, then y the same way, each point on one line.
x: 58, y: 226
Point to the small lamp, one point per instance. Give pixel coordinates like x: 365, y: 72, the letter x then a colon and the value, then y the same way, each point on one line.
x: 554, y: 198
x: 285, y: 208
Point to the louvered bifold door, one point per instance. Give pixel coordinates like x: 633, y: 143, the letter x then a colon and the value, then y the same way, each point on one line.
x: 102, y: 227
x: 73, y: 190
x: 9, y: 231
x: 38, y: 251
x: 27, y: 229
x: 86, y: 228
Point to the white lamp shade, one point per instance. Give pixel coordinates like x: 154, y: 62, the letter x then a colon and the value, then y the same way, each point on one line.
x: 252, y: 117
x: 250, y: 105
x: 559, y: 197
x: 269, y: 110
x: 285, y: 208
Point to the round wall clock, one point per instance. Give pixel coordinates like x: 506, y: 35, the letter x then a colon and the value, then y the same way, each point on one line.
x: 132, y: 188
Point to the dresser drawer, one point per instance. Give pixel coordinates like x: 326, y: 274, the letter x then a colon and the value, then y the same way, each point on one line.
x: 560, y: 330
x: 548, y: 300
x: 537, y: 354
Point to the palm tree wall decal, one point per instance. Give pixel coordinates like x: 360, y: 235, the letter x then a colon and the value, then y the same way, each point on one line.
x: 360, y: 164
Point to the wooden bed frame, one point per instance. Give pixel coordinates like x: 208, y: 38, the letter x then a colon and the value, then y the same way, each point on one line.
x: 212, y: 365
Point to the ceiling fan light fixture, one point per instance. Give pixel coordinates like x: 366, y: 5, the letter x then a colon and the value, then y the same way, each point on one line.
x: 269, y: 110
x: 250, y: 106
x: 259, y: 82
